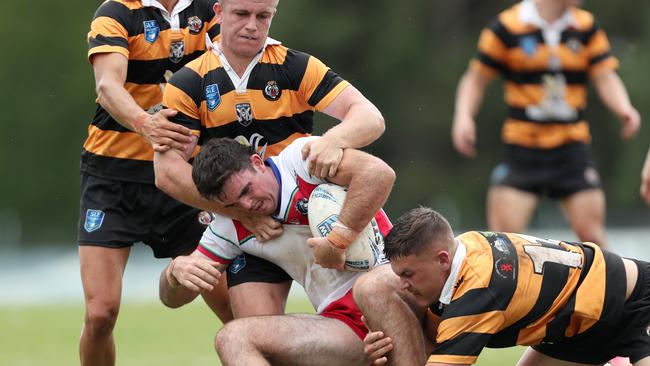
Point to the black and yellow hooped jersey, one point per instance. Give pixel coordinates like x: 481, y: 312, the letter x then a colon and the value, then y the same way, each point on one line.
x: 545, y: 85
x: 275, y: 107
x: 156, y: 45
x: 514, y: 289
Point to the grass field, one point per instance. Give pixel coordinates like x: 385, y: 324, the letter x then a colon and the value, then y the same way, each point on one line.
x: 146, y: 334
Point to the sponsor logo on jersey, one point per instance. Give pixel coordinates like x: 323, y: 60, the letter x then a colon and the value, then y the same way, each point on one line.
x: 302, y: 205
x: 176, y: 51
x: 244, y: 113
x: 272, y: 91
x: 574, y: 45
x: 237, y: 265
x: 212, y: 97
x: 504, y: 268
x: 194, y: 24
x: 151, y: 30
x: 528, y: 44
x: 94, y: 220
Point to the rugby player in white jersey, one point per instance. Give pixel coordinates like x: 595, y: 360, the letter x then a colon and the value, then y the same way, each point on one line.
x: 236, y: 176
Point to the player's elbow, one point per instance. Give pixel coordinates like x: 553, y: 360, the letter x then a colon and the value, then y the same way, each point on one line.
x: 384, y: 173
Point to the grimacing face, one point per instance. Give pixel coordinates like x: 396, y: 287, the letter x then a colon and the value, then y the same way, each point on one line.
x: 251, y: 190
x: 423, y: 275
x: 244, y: 25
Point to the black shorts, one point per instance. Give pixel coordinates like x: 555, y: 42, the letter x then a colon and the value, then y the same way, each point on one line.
x: 627, y: 336
x: 557, y: 173
x: 116, y: 214
x: 249, y: 268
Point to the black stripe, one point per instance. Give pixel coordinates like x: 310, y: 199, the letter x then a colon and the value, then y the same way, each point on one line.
x: 104, y: 121
x: 153, y: 71
x: 102, y: 40
x: 329, y: 82
x: 520, y: 114
x: 214, y: 31
x: 556, y: 328
x: 465, y: 344
x: 129, y: 170
x: 500, y: 30
x: 296, y: 61
x: 187, y: 121
x: 535, y: 77
x: 220, y: 77
x: 497, y: 295
x: 274, y: 131
x: 489, y: 61
x: 598, y: 58
x: 190, y: 83
x: 583, y: 36
x: 115, y: 10
x: 281, y: 74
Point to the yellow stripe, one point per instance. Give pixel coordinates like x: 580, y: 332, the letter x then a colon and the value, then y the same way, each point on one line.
x: 544, y: 136
x: 124, y: 145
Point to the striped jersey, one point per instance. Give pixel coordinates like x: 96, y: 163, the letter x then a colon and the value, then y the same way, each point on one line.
x: 156, y: 44
x: 514, y: 289
x: 545, y: 69
x: 225, y: 239
x: 269, y: 106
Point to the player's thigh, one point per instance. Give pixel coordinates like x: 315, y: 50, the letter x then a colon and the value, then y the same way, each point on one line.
x: 302, y: 339
x: 585, y: 207
x: 101, y: 274
x: 258, y: 298
x: 532, y: 357
x: 509, y: 209
x: 643, y: 362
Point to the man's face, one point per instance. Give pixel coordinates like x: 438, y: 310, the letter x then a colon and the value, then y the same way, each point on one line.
x: 251, y: 190
x: 423, y: 275
x: 244, y: 25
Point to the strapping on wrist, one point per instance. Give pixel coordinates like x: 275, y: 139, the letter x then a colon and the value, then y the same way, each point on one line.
x: 139, y: 121
x: 341, y: 236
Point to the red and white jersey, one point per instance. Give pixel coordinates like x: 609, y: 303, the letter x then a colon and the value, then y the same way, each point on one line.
x: 225, y: 238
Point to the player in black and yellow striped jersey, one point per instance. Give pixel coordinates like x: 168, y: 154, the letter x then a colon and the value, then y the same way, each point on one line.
x: 546, y: 51
x: 251, y: 88
x: 133, y: 46
x: 570, y: 301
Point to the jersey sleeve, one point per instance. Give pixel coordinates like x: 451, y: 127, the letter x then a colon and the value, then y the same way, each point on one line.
x: 598, y: 48
x: 320, y: 85
x: 183, y: 94
x: 490, y: 58
x: 291, y: 159
x: 220, y: 241
x: 109, y: 30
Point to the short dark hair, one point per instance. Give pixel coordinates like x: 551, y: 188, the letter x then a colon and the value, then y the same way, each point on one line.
x: 218, y: 159
x: 414, y: 231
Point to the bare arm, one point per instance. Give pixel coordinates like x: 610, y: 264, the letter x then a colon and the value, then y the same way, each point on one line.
x: 469, y: 96
x: 174, y: 177
x: 612, y: 92
x: 361, y: 124
x: 187, y: 276
x: 110, y: 75
x: 645, y: 179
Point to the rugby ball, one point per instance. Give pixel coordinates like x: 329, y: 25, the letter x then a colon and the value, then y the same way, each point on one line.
x: 325, y: 203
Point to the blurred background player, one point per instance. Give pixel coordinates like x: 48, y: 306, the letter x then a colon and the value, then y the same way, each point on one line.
x: 133, y: 47
x: 545, y: 50
x: 251, y: 88
x: 645, y: 179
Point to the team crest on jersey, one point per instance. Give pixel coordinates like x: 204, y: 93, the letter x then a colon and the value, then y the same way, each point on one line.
x: 176, y: 51
x: 194, y: 24
x: 94, y: 220
x: 151, y: 30
x: 272, y: 91
x: 244, y: 113
x: 205, y: 217
x: 528, y: 44
x: 574, y: 45
x: 212, y: 97
x: 238, y: 264
x: 325, y: 226
x: 302, y: 205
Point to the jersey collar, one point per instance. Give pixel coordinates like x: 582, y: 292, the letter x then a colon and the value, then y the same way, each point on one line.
x: 278, y: 177
x: 528, y: 14
x: 456, y: 263
x: 172, y: 18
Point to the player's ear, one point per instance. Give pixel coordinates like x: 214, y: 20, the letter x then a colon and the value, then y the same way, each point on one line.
x: 444, y: 259
x: 256, y: 161
x: 218, y: 11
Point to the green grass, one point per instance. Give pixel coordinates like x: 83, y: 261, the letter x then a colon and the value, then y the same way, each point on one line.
x: 146, y: 334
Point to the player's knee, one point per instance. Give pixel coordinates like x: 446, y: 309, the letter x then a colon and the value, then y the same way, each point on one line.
x: 376, y: 283
x: 100, y: 319
x: 230, y: 338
